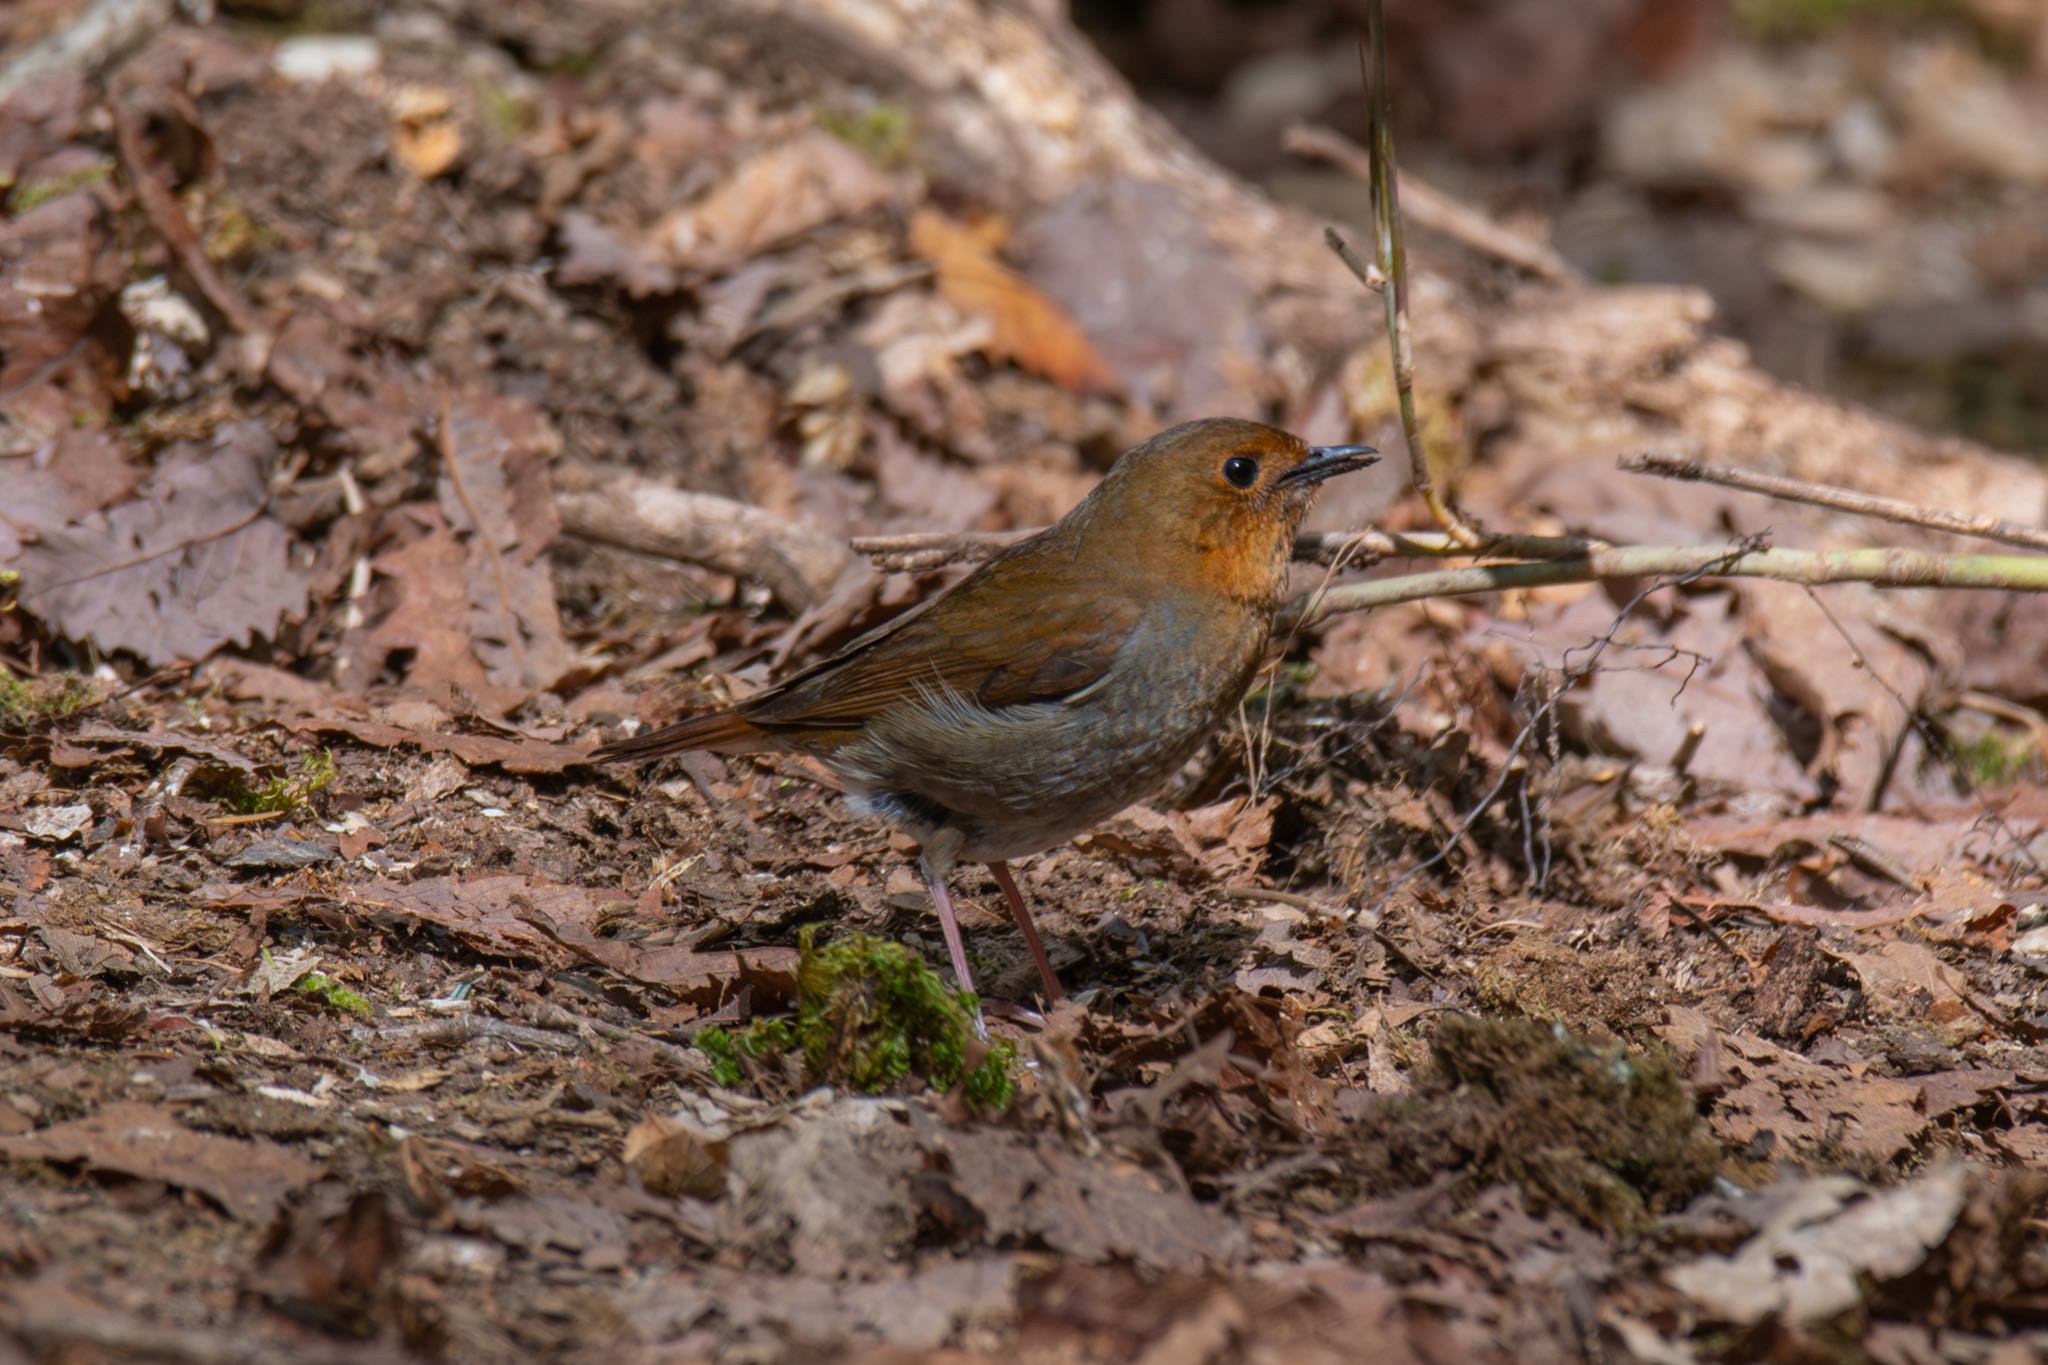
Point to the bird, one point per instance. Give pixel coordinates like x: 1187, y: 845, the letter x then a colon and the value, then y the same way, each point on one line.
x: 1061, y: 680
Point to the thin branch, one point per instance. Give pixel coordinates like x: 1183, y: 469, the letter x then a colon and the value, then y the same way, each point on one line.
x: 1890, y: 568
x: 918, y: 551
x: 1432, y: 208
x: 168, y: 217
x: 1393, y: 263
x: 1840, y: 499
x: 1361, y: 269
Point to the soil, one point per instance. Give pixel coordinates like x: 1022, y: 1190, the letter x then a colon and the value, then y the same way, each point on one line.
x: 1452, y: 1007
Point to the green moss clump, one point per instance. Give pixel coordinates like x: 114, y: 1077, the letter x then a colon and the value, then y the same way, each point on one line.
x: 36, y: 703
x: 332, y: 993
x: 871, y: 1015
x: 39, y: 192
x: 289, y: 794
x: 1604, y: 1133
x: 1992, y: 759
x: 729, y: 1052
x: 882, y: 132
x: 1803, y: 18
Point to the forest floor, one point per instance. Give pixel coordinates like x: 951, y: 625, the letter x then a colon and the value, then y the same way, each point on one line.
x: 1552, y: 977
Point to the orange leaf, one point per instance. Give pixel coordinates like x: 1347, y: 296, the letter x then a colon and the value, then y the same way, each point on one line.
x: 1030, y: 330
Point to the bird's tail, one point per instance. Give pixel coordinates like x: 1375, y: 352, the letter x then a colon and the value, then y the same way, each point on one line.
x: 727, y: 732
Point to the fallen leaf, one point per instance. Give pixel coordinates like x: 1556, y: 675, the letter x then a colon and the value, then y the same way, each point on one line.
x: 542, y: 1223
x: 495, y: 493
x: 193, y: 562
x: 593, y: 252
x: 1811, y: 1261
x: 675, y: 1155
x: 1171, y: 308
x: 249, y: 1178
x: 1092, y: 1210
x: 923, y: 1310
x: 513, y: 755
x: 1905, y: 981
x: 772, y: 196
x: 1029, y: 328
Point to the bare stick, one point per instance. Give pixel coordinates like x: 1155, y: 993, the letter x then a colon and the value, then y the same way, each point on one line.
x: 1432, y: 208
x: 1841, y: 499
x: 1890, y: 568
x: 798, y: 563
x: 1393, y: 263
x: 917, y: 551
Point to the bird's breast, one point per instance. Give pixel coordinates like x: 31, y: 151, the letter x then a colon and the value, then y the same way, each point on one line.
x: 1017, y: 779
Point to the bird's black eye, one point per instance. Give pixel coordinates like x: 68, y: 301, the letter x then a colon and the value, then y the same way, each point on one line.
x: 1241, y: 471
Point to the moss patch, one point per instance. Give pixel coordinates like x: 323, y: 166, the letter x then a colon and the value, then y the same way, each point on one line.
x: 870, y: 1015
x: 36, y: 703
x: 1605, y: 1133
x: 289, y: 794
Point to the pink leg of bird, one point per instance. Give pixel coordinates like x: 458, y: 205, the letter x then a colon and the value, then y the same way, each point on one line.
x: 949, y: 926
x: 1053, y: 993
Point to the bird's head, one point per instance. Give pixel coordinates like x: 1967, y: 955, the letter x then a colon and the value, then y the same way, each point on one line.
x: 1215, y: 502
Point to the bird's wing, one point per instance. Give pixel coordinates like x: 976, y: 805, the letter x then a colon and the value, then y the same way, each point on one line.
x: 1000, y: 639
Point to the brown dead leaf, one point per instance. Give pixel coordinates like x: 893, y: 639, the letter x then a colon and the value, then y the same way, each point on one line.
x: 513, y: 755
x: 1833, y: 1236
x: 427, y: 617
x: 673, y: 1155
x: 1091, y: 1210
x: 1795, y: 1104
x: 495, y: 493
x: 772, y: 196
x: 1906, y: 982
x: 1030, y: 329
x: 545, y: 1225
x: 55, y: 270
x: 425, y: 137
x: 794, y: 1317
x: 250, y: 1178
x: 593, y: 252
x: 1174, y: 312
x: 193, y: 562
x: 704, y: 979
x: 488, y: 914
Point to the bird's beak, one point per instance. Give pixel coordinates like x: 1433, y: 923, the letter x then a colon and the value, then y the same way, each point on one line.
x: 1326, y: 462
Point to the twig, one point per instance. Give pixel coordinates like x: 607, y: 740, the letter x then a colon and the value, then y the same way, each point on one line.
x: 917, y: 551
x: 1432, y: 208
x: 1891, y: 568
x: 167, y: 216
x: 1363, y: 270
x: 1393, y: 263
x: 797, y: 563
x: 1841, y: 499
x: 462, y: 1029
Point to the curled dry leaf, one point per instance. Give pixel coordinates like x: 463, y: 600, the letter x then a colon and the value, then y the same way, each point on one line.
x: 780, y: 193
x: 191, y: 563
x: 1029, y: 328
x: 1810, y: 1261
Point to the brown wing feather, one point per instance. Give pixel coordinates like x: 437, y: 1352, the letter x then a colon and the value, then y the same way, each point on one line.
x: 1000, y: 642
x: 1015, y: 630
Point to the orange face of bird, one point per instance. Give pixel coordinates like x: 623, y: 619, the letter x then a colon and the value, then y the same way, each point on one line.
x: 1220, y: 500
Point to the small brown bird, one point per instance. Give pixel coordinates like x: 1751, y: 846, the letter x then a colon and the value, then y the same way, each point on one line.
x: 1062, y: 680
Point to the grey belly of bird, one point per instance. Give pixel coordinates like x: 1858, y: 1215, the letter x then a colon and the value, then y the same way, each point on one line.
x: 1015, y: 780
